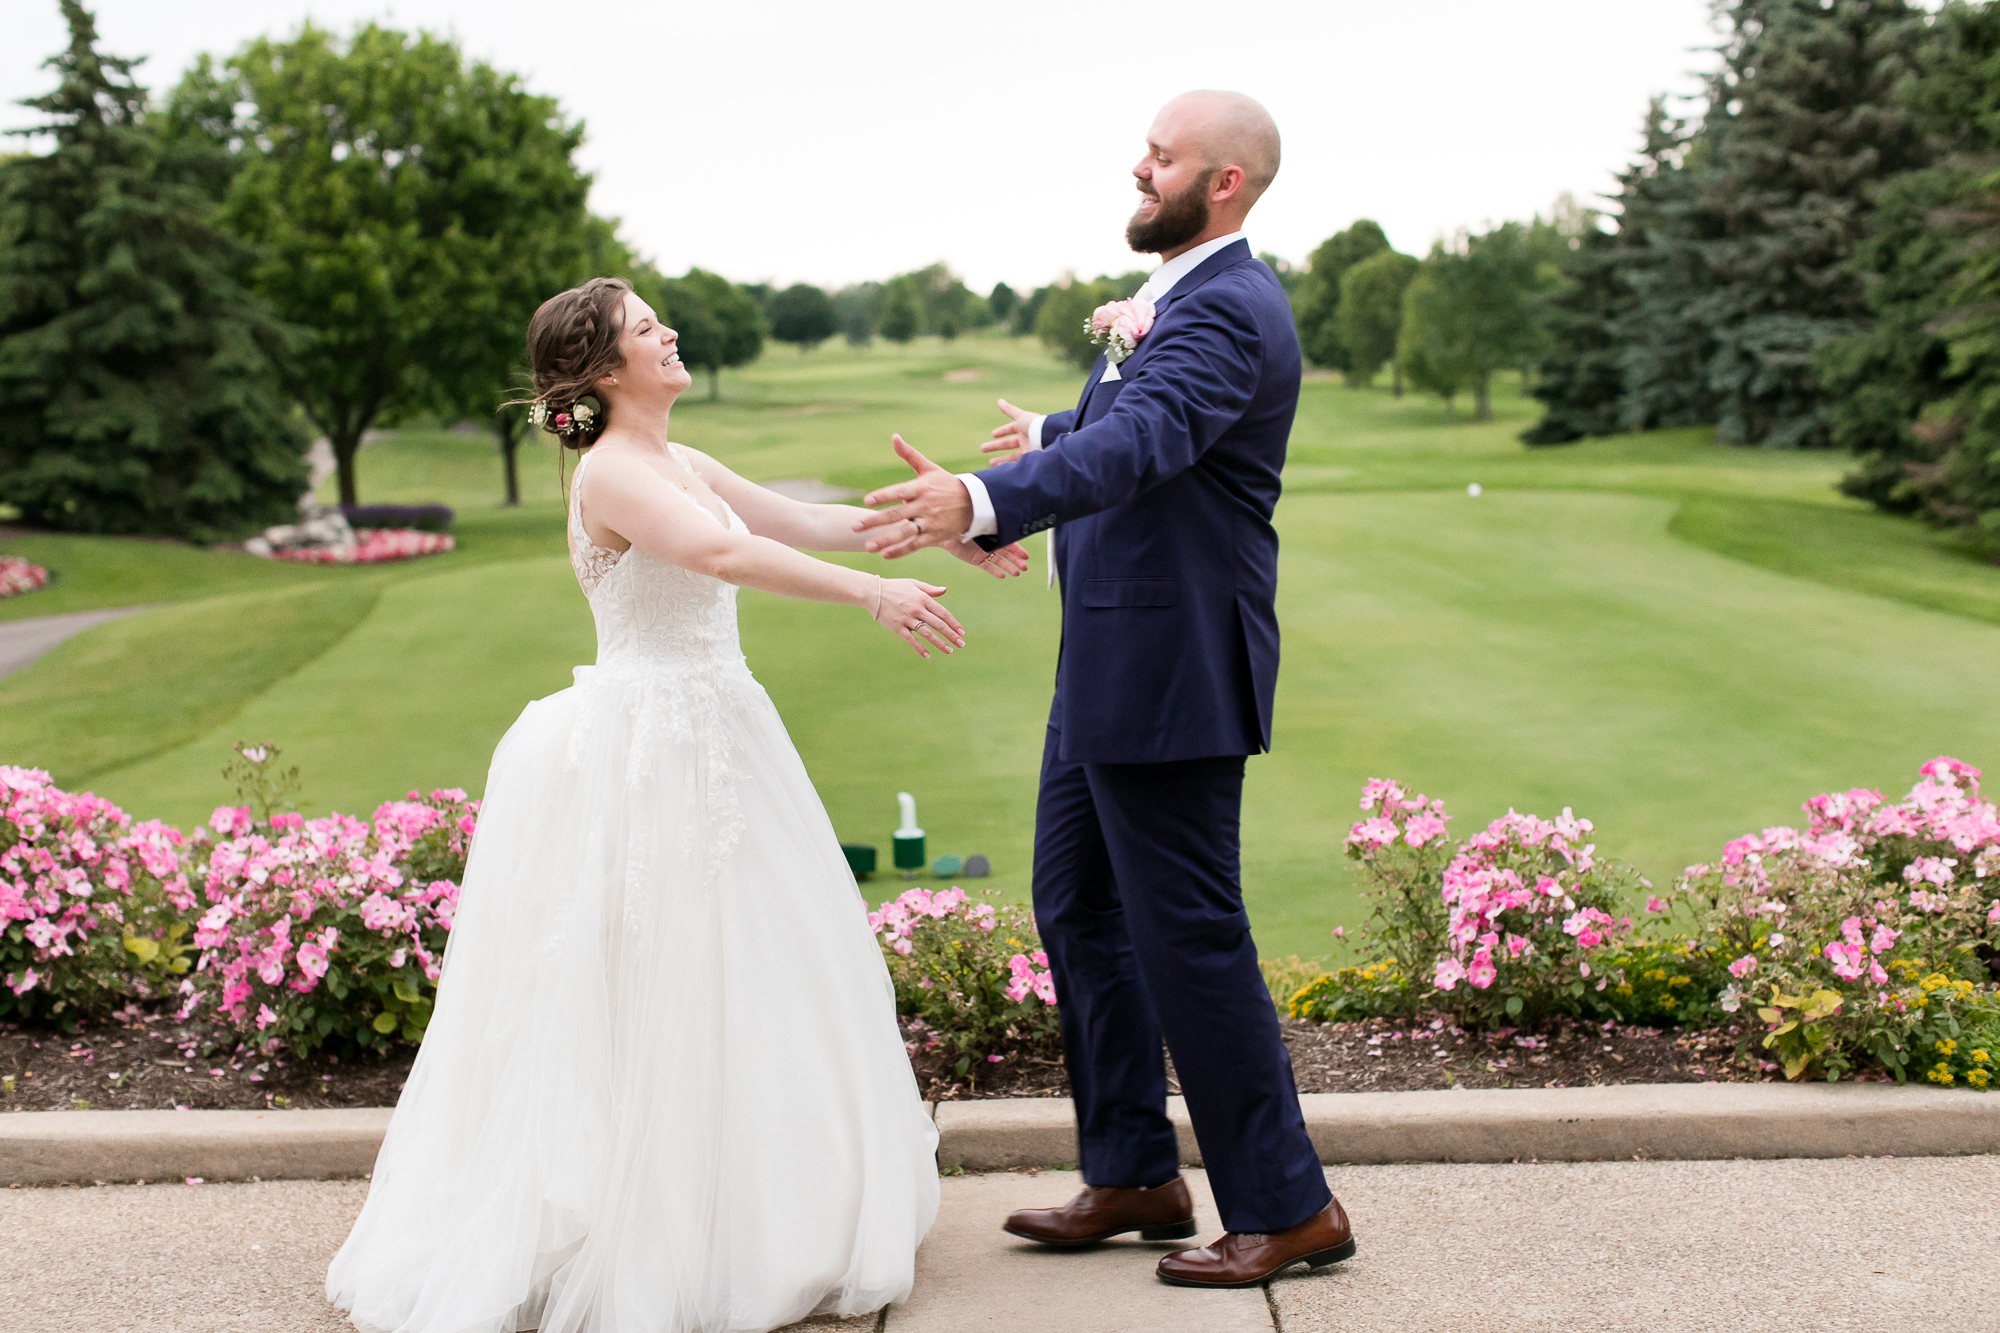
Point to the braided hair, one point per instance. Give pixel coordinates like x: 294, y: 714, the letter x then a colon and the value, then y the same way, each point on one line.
x: 573, y: 343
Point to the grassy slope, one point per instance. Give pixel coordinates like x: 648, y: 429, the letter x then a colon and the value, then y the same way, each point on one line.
x: 1548, y: 644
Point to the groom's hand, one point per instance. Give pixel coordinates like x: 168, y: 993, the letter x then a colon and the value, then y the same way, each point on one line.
x: 932, y: 509
x: 1014, y: 437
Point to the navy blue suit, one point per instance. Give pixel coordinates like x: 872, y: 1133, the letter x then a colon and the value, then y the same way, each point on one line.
x: 1163, y: 483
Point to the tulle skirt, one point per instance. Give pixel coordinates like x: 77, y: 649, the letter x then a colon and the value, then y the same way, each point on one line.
x: 663, y: 1089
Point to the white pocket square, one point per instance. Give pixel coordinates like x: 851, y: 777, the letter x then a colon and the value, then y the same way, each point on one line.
x: 1110, y: 374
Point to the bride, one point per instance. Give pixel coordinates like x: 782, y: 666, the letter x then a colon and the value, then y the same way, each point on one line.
x: 663, y: 1089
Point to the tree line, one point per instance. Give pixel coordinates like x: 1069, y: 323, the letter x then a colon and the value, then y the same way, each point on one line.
x: 341, y: 233
x: 1814, y: 262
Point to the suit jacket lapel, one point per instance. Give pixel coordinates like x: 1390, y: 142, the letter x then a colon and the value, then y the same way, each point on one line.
x: 1227, y: 257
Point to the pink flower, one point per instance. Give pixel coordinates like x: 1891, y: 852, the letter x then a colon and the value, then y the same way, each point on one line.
x: 1516, y: 945
x: 1422, y: 829
x: 1122, y: 323
x: 1883, y: 940
x: 1993, y: 913
x: 265, y: 1016
x: 1482, y: 973
x: 1449, y: 973
x: 1743, y: 966
x: 1846, y: 959
x: 1655, y: 905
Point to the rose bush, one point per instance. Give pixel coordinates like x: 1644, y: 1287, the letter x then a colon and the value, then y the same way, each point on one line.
x: 327, y: 931
x: 89, y: 901
x: 973, y: 972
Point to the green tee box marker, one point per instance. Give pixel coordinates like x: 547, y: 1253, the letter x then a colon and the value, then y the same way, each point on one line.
x: 908, y: 840
x: 945, y: 867
x: 860, y: 859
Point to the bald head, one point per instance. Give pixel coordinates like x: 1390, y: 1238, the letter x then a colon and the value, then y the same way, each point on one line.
x: 1224, y: 130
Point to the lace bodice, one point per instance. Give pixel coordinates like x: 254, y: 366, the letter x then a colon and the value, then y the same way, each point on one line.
x: 651, y: 614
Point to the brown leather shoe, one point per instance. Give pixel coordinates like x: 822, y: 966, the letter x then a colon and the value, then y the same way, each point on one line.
x: 1246, y: 1259
x: 1164, y: 1212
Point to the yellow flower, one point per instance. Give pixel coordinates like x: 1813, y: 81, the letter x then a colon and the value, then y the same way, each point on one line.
x: 1946, y: 1046
x: 1933, y: 981
x: 1679, y: 981
x: 1979, y: 1057
x: 1940, y: 1074
x: 1978, y: 1078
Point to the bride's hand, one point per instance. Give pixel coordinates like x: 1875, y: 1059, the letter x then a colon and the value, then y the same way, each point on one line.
x: 1005, y: 563
x: 909, y: 609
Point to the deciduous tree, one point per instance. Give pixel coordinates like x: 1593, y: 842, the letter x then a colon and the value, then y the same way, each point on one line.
x: 410, y: 209
x: 803, y: 315
x: 1371, y: 314
x: 1318, y: 297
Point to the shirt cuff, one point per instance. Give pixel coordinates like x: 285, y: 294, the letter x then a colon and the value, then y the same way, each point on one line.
x: 1035, y: 432
x: 984, y: 524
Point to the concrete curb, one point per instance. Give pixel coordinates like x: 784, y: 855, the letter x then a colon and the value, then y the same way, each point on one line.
x: 78, y: 1147
x: 1674, y: 1121
x: 1664, y: 1121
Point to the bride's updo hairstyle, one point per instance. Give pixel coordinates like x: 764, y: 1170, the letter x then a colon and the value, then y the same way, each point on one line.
x: 572, y: 344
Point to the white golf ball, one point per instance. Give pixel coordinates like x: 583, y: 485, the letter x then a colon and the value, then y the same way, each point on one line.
x: 1473, y: 490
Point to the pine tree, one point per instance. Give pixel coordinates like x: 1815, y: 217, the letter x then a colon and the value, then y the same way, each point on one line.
x: 1917, y: 396
x: 137, y: 393
x: 1802, y: 126
x: 1624, y: 353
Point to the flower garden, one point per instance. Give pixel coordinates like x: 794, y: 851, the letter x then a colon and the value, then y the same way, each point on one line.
x: 1865, y: 944
x: 19, y: 576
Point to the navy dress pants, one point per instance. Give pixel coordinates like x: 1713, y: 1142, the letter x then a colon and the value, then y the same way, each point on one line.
x: 1140, y: 906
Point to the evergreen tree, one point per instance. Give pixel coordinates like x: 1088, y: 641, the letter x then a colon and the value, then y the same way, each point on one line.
x: 1802, y: 127
x: 1318, y: 297
x: 902, y: 313
x: 1003, y: 301
x: 1917, y: 396
x: 137, y: 393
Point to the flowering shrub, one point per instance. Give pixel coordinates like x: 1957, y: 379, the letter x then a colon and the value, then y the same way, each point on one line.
x: 87, y: 900
x: 17, y: 575
x: 974, y: 973
x: 1513, y: 924
x: 325, y: 930
x: 370, y: 546
x: 1872, y: 933
x: 1661, y: 982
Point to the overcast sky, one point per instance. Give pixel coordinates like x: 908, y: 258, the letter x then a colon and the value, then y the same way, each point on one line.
x: 786, y: 140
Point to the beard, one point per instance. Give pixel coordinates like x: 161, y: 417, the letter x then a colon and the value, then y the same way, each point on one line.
x: 1179, y: 219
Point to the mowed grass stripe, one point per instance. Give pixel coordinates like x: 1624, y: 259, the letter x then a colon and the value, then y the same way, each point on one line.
x: 137, y: 687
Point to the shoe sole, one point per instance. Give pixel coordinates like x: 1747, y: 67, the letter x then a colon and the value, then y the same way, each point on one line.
x: 1166, y: 1231
x: 1317, y: 1259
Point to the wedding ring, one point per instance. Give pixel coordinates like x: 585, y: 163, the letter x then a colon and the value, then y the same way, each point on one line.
x: 918, y: 524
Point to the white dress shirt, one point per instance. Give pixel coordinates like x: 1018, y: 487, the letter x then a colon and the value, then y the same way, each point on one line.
x: 1164, y: 279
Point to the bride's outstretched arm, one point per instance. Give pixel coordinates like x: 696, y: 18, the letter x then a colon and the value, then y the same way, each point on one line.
x: 638, y: 504
x: 821, y: 527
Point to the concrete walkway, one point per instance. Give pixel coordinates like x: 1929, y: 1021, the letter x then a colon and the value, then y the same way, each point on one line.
x: 1736, y: 1247
x: 22, y: 642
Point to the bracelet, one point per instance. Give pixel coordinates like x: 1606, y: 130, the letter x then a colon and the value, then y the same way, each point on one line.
x: 877, y: 617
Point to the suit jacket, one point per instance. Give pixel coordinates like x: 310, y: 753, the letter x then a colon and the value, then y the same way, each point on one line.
x: 1163, y: 482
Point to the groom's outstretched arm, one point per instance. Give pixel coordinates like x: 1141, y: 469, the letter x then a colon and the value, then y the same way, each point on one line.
x: 1190, y: 389
x: 1188, y: 392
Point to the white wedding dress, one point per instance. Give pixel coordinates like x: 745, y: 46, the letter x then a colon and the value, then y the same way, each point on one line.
x: 663, y: 1089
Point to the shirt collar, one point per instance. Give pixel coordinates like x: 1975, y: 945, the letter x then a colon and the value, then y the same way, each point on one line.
x: 1167, y: 275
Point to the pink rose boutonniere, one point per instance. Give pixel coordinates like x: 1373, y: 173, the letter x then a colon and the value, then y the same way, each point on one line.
x: 1117, y: 327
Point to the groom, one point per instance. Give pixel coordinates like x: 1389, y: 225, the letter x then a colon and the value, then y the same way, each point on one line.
x: 1160, y: 485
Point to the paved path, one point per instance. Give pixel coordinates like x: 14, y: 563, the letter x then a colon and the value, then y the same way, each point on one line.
x: 23, y: 641
x: 1736, y: 1247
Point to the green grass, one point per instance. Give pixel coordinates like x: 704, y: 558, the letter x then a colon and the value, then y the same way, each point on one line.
x: 1680, y: 641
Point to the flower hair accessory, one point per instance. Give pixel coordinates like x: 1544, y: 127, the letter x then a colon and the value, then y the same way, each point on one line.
x: 562, y: 421
x: 1117, y: 327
